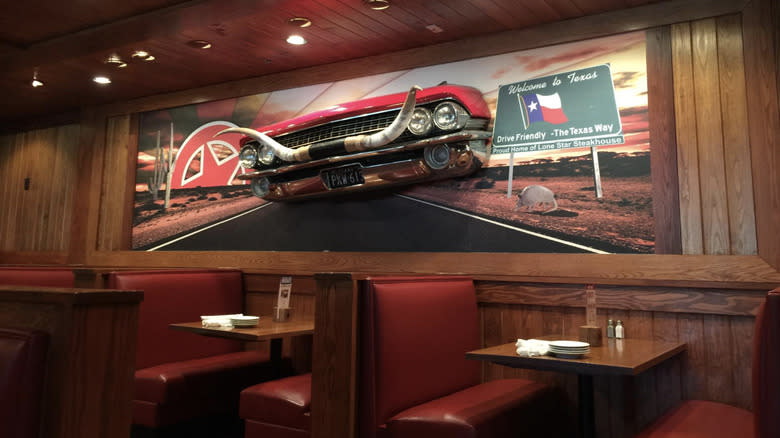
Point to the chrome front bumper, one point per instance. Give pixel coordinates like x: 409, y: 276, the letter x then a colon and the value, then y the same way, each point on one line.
x: 472, y: 137
x: 462, y: 162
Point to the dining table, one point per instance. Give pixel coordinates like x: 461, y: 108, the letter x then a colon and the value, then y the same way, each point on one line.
x: 615, y: 357
x: 265, y: 330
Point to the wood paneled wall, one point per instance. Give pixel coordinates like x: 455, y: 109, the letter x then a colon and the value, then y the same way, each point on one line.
x: 716, y: 325
x: 713, y: 147
x: 714, y: 115
x: 261, y: 294
x: 38, y: 219
x: 118, y: 183
x: 709, y: 152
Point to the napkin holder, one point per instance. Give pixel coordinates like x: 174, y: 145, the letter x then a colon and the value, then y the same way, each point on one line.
x: 590, y: 334
x: 282, y: 314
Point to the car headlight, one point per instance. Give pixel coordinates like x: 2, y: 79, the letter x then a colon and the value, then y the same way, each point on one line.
x: 437, y: 156
x: 260, y: 187
x: 266, y: 155
x: 248, y: 156
x: 421, y: 121
x: 449, y: 115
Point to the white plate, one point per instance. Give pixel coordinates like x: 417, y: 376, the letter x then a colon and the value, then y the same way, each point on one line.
x: 244, y: 321
x: 567, y: 355
x: 569, y: 344
x: 581, y: 351
x: 232, y: 315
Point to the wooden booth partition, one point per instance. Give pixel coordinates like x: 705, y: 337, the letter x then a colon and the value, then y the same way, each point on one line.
x: 91, y: 357
x: 261, y: 292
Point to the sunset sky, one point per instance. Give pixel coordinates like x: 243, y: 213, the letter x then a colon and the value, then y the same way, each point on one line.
x: 625, y: 54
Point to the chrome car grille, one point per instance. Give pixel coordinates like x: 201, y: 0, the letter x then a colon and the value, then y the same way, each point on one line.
x: 340, y: 129
x: 355, y: 126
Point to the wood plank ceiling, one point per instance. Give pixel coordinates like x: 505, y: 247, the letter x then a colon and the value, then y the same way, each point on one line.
x: 67, y: 42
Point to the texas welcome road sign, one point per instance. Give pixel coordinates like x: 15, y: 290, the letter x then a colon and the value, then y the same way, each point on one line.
x: 566, y: 110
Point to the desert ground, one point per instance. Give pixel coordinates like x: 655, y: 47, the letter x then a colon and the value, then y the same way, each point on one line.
x: 188, y: 209
x: 620, y: 221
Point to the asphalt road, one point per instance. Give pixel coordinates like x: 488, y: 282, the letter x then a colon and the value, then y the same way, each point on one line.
x: 391, y: 223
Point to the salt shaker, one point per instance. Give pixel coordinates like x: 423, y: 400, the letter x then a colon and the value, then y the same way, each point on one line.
x: 610, y: 329
x: 619, y: 330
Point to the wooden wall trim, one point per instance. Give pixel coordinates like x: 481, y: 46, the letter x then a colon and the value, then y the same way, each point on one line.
x: 655, y: 299
x: 625, y: 20
x: 663, y: 145
x: 334, y: 357
x: 40, y: 122
x: 34, y: 258
x: 640, y: 270
x: 760, y: 36
x: 128, y: 201
x: 86, y: 193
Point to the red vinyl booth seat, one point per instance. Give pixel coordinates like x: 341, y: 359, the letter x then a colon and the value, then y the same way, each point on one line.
x: 22, y: 371
x: 704, y: 419
x: 181, y: 376
x: 278, y: 409
x: 415, y: 380
x: 48, y: 276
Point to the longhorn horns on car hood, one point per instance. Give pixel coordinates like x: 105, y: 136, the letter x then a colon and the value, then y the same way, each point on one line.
x: 345, y: 145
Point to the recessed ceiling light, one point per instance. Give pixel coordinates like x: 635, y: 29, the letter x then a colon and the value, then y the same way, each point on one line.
x: 140, y: 54
x: 102, y: 80
x: 378, y: 5
x: 300, y: 21
x: 115, y: 60
x: 296, y: 40
x: 149, y: 58
x: 434, y: 28
x: 199, y: 44
x: 35, y: 82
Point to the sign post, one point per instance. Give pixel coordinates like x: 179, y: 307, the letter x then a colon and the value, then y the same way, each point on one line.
x: 574, y: 109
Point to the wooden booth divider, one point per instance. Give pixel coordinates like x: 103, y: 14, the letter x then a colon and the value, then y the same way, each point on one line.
x: 91, y: 358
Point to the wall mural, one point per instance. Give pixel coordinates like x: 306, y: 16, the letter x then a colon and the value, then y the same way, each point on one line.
x: 343, y: 166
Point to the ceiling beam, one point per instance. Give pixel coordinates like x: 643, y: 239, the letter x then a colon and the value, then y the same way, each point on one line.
x: 160, y: 23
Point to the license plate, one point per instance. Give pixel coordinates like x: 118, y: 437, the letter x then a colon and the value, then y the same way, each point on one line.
x: 345, y: 176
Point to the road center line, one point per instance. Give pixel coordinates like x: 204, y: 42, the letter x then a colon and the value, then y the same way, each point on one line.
x: 210, y: 226
x: 542, y: 236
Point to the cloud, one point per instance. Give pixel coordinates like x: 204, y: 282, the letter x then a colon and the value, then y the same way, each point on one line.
x: 498, y: 74
x: 626, y: 79
x: 534, y: 63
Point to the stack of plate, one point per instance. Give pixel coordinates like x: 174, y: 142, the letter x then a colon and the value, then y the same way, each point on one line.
x: 244, y: 321
x: 569, y: 349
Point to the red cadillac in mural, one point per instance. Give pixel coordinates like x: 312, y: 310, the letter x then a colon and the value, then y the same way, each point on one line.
x: 423, y: 135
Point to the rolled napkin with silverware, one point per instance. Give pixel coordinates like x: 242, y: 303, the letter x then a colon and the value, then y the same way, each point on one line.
x: 531, y: 347
x: 218, y: 320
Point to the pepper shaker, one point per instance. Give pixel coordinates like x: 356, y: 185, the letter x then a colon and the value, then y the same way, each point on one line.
x: 610, y: 329
x: 619, y: 330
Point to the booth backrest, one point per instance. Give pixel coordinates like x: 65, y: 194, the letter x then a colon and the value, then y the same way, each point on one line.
x: 36, y: 276
x: 174, y: 296
x: 415, y: 333
x: 22, y: 371
x: 766, y: 368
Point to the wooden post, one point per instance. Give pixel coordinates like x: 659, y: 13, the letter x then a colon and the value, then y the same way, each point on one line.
x: 169, y: 172
x: 91, y: 358
x: 511, y: 175
x: 596, y: 172
x: 334, y: 357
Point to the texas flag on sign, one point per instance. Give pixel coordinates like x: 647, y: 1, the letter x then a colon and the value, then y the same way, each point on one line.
x: 541, y: 108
